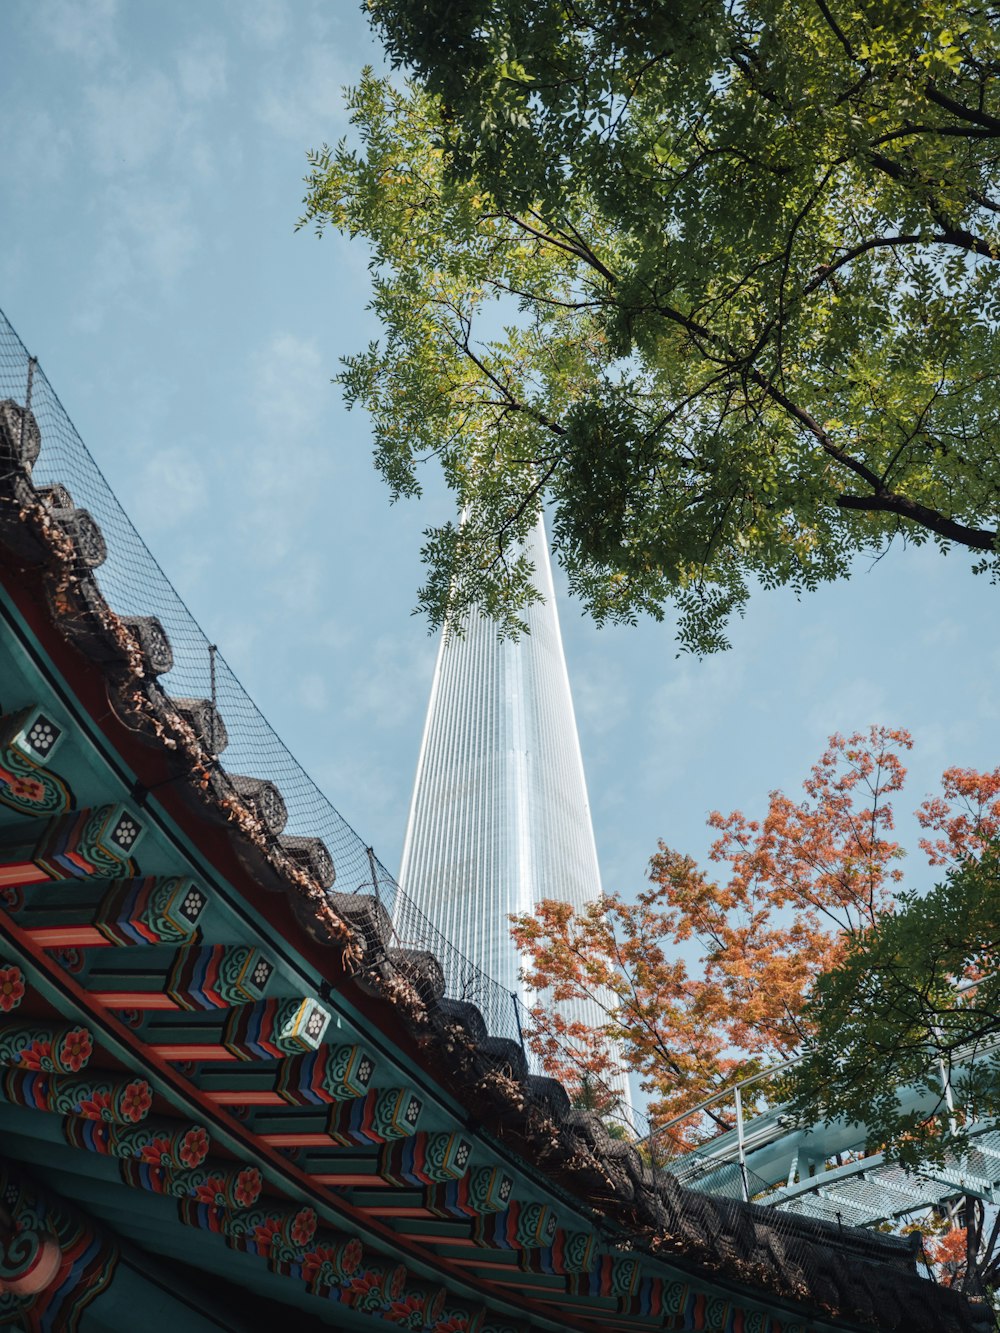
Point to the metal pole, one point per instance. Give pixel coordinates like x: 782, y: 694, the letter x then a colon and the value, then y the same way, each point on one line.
x: 945, y: 1078
x: 32, y: 362
x: 949, y: 1100
x: 371, y: 867
x: 212, y: 650
x: 724, y: 1094
x: 517, y: 1018
x: 741, y: 1148
x: 793, y: 1169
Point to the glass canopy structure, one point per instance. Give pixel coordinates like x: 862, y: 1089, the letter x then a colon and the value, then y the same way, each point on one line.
x: 500, y: 817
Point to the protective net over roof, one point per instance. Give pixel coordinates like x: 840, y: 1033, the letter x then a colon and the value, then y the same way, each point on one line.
x: 133, y: 584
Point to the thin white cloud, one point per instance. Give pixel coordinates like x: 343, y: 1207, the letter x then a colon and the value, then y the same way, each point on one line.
x: 334, y: 633
x: 394, y: 684
x: 37, y: 147
x: 685, y: 704
x: 132, y: 120
x: 290, y: 386
x: 202, y: 70
x: 148, y: 237
x: 161, y: 231
x: 81, y: 28
x: 263, y: 22
x: 297, y: 581
x: 601, y: 696
x: 304, y: 103
x: 313, y: 692
x: 852, y: 704
x: 173, y: 488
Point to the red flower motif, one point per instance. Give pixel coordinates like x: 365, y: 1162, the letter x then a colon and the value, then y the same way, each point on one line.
x: 95, y: 1107
x: 303, y: 1227
x: 157, y: 1152
x: 36, y: 1056
x: 248, y: 1186
x: 212, y: 1190
x: 136, y: 1100
x: 11, y: 988
x: 404, y: 1311
x: 365, y: 1284
x: 29, y: 789
x: 313, y: 1262
x: 265, y: 1232
x: 76, y: 1050
x: 194, y: 1147
x: 351, y: 1255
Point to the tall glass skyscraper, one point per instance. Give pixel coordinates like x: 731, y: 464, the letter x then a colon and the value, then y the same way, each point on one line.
x: 500, y: 817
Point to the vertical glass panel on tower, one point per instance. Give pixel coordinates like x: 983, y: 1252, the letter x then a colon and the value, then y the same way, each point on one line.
x: 500, y: 817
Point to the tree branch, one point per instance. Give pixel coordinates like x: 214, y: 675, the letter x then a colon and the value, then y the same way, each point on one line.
x: 978, y: 539
x: 964, y: 112
x: 836, y: 29
x: 952, y: 235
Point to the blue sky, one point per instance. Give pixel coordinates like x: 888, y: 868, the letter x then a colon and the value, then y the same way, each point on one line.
x: 153, y: 164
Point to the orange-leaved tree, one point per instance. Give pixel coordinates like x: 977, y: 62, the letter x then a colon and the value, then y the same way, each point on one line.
x: 702, y: 979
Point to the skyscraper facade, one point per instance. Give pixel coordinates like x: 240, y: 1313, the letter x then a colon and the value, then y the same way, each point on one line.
x: 500, y: 817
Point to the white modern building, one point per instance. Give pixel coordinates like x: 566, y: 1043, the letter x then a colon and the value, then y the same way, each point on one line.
x: 500, y: 817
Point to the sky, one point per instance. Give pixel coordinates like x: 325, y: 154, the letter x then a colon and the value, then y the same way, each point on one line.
x: 154, y: 156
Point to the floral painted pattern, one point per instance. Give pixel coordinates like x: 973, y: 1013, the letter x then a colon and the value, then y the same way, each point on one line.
x: 194, y: 1146
x: 212, y: 1191
x: 95, y: 1107
x: 26, y: 789
x: 37, y: 1055
x: 303, y: 1227
x: 331, y: 1263
x: 314, y: 1261
x: 71, y: 959
x: 157, y: 1151
x: 11, y: 988
x: 409, y: 1312
x: 136, y: 1100
x: 248, y: 1187
x: 76, y: 1050
x: 53, y: 1053
x: 265, y: 1232
x: 365, y: 1290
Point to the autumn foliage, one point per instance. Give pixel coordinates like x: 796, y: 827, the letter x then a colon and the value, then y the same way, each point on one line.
x: 703, y: 978
x: 948, y: 1253
x: 958, y: 1249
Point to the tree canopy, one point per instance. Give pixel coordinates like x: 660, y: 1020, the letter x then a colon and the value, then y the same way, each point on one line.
x: 915, y: 999
x: 807, y: 948
x: 806, y: 942
x: 715, y: 284
x: 703, y: 978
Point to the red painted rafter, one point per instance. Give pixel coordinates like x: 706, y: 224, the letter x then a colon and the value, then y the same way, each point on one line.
x: 257, y: 1145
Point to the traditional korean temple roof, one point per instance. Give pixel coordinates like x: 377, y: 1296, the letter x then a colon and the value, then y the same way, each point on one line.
x: 232, y: 1091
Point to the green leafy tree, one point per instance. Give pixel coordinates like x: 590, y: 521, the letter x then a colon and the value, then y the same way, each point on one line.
x: 914, y: 1003
x: 915, y: 999
x: 716, y: 284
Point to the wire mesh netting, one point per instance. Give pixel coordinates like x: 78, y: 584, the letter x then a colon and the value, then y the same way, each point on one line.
x: 133, y: 584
